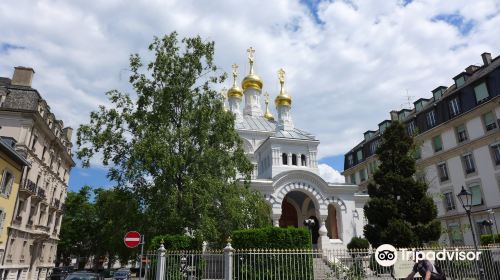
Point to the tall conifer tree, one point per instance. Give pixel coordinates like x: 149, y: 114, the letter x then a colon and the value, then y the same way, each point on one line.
x: 399, y: 211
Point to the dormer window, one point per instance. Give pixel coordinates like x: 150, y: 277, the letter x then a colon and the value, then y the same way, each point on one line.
x: 420, y: 104
x: 383, y: 125
x: 460, y: 81
x: 438, y: 92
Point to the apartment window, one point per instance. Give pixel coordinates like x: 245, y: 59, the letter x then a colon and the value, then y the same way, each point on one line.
x: 454, y: 107
x: 481, y: 92
x: 460, y: 81
x: 489, y: 121
x: 477, y: 196
x: 7, y: 181
x: 2, y: 219
x: 35, y: 138
x: 461, y: 133
x: 410, y: 128
x: 359, y: 155
x: 455, y: 234
x: 468, y: 162
x: 373, y: 147
x: 362, y: 175
x: 431, y: 119
x: 350, y: 160
x: 284, y: 158
x: 437, y: 143
x: 353, y: 178
x: 449, y: 201
x: 495, y: 150
x: 20, y: 207
x: 43, y: 152
x: 443, y: 172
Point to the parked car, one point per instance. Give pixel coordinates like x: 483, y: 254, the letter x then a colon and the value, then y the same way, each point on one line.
x: 84, y: 275
x: 122, y: 274
x: 60, y: 273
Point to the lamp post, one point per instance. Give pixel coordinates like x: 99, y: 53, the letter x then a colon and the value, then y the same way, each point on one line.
x: 465, y: 198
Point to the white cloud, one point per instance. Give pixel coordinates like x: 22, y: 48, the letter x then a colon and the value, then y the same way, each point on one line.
x: 329, y: 174
x: 344, y: 75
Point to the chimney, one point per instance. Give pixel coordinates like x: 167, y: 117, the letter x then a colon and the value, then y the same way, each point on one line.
x: 471, y: 69
x: 486, y: 58
x: 22, y: 76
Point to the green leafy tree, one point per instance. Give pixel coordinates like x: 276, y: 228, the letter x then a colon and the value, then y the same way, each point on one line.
x: 399, y: 211
x: 117, y: 211
x: 78, y: 228
x: 174, y: 145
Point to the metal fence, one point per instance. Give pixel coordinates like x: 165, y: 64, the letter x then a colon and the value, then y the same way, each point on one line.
x: 302, y: 265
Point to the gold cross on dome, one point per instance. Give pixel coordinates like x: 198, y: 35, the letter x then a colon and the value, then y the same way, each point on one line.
x: 281, y: 75
x: 235, y: 69
x: 266, y: 95
x: 250, y: 52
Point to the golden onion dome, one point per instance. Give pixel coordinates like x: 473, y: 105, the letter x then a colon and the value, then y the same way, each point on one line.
x: 235, y: 91
x: 268, y: 114
x: 251, y: 80
x: 282, y: 99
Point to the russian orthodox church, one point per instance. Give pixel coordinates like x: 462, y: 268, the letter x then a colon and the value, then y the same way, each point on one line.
x: 286, y: 166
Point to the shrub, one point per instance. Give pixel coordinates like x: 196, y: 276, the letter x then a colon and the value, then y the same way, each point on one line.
x: 272, y: 238
x: 358, y: 243
x: 490, y: 238
x: 259, y: 265
x: 175, y: 242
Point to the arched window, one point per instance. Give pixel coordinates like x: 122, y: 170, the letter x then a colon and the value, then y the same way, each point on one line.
x: 294, y: 159
x: 331, y: 223
x: 303, y: 160
x: 284, y: 157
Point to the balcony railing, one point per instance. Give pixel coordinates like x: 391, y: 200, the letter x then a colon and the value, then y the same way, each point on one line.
x: 42, y: 228
x: 41, y: 193
x: 30, y: 186
x: 56, y: 203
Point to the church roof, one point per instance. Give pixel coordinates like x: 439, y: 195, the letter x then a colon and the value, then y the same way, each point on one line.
x: 253, y: 123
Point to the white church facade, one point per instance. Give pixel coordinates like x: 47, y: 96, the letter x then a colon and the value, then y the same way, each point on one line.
x: 286, y: 166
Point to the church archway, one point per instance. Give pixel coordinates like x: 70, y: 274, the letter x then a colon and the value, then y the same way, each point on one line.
x: 296, y: 207
x: 288, y: 215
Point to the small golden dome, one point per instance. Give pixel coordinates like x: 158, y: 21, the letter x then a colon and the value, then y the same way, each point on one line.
x: 251, y: 80
x: 235, y: 91
x: 282, y: 99
x: 268, y: 114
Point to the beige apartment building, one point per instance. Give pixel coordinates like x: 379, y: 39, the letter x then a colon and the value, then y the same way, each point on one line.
x: 46, y: 144
x: 458, y: 129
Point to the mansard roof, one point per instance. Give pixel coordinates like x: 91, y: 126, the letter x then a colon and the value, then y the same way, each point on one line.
x: 261, y: 124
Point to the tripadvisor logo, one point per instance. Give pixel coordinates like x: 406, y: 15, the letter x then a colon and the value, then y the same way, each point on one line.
x: 387, y: 255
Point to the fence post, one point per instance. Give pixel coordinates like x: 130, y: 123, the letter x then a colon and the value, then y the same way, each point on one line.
x: 162, y: 264
x: 228, y: 260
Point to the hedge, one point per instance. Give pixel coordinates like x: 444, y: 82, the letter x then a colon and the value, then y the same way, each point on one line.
x: 252, y: 265
x: 272, y: 238
x: 358, y: 243
x: 175, y: 242
x: 488, y: 239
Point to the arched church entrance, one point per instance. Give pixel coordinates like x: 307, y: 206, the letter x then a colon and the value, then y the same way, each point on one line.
x: 295, y: 209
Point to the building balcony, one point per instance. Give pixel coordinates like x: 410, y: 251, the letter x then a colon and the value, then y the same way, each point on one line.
x: 41, y: 193
x: 42, y: 228
x: 29, y: 187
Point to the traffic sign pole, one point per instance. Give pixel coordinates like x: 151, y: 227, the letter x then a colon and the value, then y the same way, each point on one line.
x: 142, y: 252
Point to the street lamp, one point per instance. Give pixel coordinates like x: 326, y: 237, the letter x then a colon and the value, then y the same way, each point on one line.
x: 465, y: 198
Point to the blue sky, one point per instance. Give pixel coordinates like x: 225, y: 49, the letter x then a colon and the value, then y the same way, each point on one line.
x: 348, y: 62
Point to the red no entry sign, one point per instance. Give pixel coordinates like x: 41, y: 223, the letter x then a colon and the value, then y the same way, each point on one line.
x: 132, y: 239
